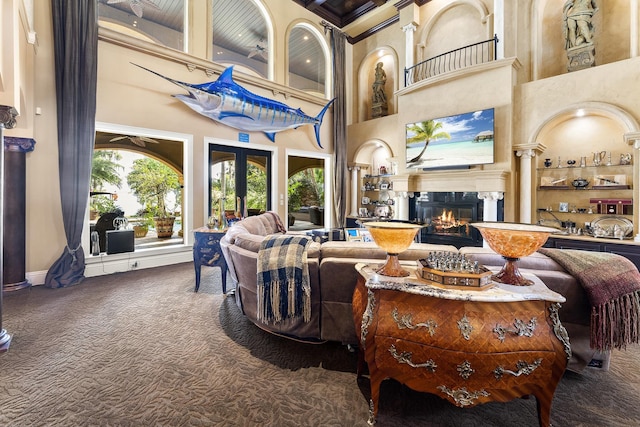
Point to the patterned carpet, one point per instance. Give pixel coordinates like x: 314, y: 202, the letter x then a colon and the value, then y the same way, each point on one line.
x: 142, y: 349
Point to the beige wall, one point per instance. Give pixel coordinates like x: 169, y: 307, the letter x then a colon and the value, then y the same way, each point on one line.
x: 132, y: 97
x: 129, y: 96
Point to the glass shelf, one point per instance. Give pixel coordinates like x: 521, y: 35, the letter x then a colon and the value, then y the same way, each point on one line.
x: 590, y: 167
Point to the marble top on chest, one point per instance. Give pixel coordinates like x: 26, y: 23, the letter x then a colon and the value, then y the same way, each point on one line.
x: 498, y: 293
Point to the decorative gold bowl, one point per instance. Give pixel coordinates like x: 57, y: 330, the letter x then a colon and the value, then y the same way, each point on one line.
x: 513, y: 241
x: 394, y: 238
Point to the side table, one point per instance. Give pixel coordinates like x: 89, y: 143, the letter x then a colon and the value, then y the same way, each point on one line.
x: 206, y: 251
x: 465, y: 346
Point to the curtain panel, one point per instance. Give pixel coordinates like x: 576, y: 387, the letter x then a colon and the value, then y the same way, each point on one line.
x: 75, y: 34
x: 338, y: 43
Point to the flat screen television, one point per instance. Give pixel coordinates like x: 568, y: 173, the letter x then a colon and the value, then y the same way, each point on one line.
x: 451, y: 142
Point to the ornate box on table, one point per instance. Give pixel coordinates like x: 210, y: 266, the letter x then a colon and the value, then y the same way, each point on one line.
x: 446, y: 269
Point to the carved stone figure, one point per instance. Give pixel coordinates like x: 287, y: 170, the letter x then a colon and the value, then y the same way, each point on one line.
x: 378, y: 84
x: 379, y: 98
x: 578, y: 32
x: 578, y: 28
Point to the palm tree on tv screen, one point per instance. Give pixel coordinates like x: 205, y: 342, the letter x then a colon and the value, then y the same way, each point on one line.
x: 425, y: 131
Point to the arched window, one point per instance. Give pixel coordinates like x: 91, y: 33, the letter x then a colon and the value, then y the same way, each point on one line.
x: 160, y: 22
x: 241, y: 35
x: 307, y: 62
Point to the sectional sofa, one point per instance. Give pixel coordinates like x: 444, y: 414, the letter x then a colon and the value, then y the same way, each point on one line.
x: 333, y: 278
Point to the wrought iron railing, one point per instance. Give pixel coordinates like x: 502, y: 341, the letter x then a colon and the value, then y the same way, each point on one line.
x: 473, y: 54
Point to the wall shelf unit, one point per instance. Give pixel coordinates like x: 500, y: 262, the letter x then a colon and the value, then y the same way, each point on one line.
x: 377, y: 196
x: 577, y: 196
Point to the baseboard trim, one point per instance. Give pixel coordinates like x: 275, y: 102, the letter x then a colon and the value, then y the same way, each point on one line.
x: 118, y: 263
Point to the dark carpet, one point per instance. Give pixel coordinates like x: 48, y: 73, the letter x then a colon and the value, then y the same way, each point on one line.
x: 142, y: 349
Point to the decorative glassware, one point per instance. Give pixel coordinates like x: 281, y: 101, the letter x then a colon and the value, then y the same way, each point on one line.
x: 394, y: 238
x: 513, y: 241
x: 547, y: 163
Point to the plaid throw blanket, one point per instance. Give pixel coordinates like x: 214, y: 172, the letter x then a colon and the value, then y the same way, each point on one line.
x: 612, y: 284
x: 284, y: 291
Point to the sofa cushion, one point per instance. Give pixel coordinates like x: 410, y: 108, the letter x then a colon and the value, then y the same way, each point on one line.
x: 251, y: 242
x: 368, y: 250
x: 261, y: 225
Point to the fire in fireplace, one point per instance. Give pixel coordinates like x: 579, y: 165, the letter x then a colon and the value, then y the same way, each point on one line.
x: 447, y: 223
x: 446, y: 217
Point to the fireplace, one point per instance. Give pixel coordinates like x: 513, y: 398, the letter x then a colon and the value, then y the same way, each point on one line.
x: 447, y: 216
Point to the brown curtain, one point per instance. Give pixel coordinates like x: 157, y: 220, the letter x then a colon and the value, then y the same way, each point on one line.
x: 338, y: 43
x: 75, y: 35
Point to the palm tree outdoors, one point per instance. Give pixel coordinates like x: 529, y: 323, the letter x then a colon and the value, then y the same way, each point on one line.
x: 426, y: 131
x: 104, y: 169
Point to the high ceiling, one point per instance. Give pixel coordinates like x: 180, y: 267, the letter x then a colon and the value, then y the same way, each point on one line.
x: 340, y: 12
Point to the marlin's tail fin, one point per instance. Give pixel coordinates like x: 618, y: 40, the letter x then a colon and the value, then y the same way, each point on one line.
x: 319, y: 121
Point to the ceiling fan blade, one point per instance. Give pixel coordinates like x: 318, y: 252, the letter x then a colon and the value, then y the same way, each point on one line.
x: 118, y: 138
x: 138, y: 141
x: 145, y: 139
x: 137, y: 9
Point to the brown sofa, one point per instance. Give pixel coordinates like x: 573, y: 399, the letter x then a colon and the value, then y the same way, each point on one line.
x: 333, y: 277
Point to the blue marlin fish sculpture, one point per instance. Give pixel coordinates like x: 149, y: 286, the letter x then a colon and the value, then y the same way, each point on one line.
x: 228, y: 103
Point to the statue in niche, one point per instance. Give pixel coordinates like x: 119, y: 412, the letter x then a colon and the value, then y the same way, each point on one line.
x: 379, y: 98
x: 578, y: 32
x: 578, y: 28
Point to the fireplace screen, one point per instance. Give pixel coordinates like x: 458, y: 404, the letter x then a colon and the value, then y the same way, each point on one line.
x: 446, y: 217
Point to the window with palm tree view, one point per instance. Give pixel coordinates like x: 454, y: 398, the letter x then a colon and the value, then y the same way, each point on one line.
x: 140, y: 181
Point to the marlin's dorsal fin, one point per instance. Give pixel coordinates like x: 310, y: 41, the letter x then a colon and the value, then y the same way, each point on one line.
x: 227, y: 75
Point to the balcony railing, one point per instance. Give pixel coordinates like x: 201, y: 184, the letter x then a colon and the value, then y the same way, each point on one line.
x: 473, y: 54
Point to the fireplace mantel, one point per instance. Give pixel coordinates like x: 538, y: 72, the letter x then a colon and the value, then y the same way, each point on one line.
x: 454, y: 180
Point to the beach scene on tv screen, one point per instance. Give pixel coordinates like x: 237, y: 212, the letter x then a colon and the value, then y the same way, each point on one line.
x: 461, y: 140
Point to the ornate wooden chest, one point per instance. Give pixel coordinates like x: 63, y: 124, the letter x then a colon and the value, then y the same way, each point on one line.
x: 467, y: 346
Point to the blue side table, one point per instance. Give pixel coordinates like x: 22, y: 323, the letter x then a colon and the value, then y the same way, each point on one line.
x: 206, y: 251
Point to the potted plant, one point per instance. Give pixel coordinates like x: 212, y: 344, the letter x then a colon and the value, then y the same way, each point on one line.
x: 141, y: 228
x: 101, y: 204
x: 153, y: 183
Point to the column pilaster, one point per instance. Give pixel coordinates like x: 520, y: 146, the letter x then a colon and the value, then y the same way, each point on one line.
x: 15, y: 182
x: 354, y: 189
x: 7, y: 121
x: 409, y: 54
x: 499, y: 26
x: 526, y: 158
x: 490, y: 206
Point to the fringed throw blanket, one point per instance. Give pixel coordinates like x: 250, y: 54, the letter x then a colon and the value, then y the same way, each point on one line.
x: 284, y: 291
x: 612, y: 284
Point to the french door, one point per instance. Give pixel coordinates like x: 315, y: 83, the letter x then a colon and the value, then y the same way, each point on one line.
x: 239, y: 181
